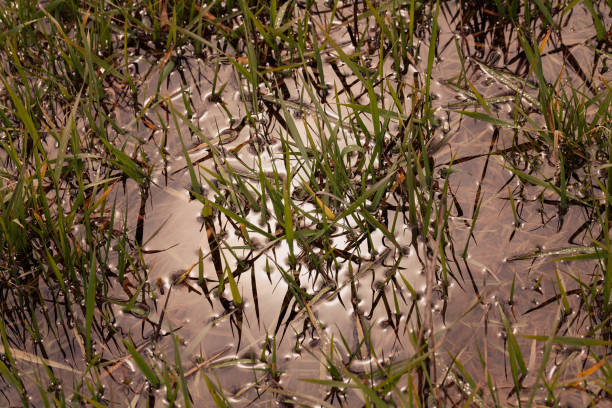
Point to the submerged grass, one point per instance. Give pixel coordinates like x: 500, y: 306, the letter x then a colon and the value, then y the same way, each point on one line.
x: 336, y: 86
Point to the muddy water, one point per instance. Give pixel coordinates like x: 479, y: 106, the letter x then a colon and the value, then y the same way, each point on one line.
x: 267, y: 346
x: 235, y: 344
x: 231, y: 345
x: 488, y: 273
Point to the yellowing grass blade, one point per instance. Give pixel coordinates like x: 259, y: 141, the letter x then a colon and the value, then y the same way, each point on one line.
x: 328, y: 213
x: 31, y: 358
x: 589, y: 371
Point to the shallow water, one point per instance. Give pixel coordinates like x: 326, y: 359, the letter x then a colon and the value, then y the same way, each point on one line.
x: 270, y: 343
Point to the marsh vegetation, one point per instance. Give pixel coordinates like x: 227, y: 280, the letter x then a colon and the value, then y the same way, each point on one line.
x: 305, y: 203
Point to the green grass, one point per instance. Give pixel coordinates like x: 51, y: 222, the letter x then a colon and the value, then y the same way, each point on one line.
x: 323, y: 170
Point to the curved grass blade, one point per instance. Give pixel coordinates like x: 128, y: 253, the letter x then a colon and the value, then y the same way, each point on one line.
x: 148, y: 372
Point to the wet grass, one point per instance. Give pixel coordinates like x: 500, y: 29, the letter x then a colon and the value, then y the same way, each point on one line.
x: 347, y: 147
